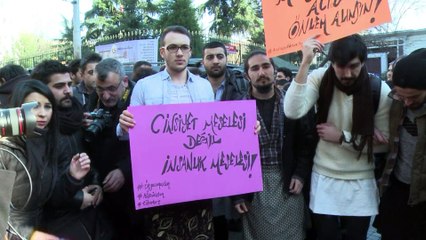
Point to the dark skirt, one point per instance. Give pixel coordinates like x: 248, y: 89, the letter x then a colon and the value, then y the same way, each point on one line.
x: 273, y: 214
x: 193, y: 220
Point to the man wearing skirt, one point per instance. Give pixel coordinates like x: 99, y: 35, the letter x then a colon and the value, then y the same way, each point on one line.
x: 286, y: 147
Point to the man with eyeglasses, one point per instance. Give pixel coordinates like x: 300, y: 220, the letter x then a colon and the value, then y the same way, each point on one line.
x: 110, y: 156
x: 173, y: 85
x: 88, y: 76
x: 343, y: 187
x: 403, y: 182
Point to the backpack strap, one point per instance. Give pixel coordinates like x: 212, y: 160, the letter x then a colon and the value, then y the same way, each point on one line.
x: 242, y: 83
x: 376, y: 87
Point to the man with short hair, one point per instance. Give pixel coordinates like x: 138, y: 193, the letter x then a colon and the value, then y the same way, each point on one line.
x: 286, y: 149
x: 225, y: 84
x: 343, y: 186
x: 11, y: 71
x: 10, y: 75
x: 174, y: 85
x: 403, y: 183
x: 110, y: 156
x: 284, y: 73
x: 142, y: 69
x: 76, y: 218
x: 75, y: 71
x: 283, y: 78
x: 88, y: 75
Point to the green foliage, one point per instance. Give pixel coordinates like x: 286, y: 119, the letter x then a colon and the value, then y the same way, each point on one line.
x: 67, y: 34
x: 181, y: 12
x: 102, y: 19
x: 27, y: 45
x: 109, y: 17
x: 178, y: 12
x: 233, y: 16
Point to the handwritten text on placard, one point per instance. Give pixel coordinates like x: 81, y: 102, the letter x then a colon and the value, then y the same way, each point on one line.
x: 186, y: 152
x: 288, y: 22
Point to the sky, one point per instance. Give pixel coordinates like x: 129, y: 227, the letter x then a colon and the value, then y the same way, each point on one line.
x: 45, y: 17
x: 42, y: 17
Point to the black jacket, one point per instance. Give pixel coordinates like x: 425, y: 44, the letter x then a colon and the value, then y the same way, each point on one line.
x: 7, y: 88
x: 235, y: 87
x: 107, y: 152
x: 47, y: 184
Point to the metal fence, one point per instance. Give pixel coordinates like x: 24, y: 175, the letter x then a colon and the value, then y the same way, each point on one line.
x: 65, y: 54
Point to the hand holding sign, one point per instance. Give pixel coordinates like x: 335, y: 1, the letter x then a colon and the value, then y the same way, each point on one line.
x: 126, y: 121
x: 310, y: 47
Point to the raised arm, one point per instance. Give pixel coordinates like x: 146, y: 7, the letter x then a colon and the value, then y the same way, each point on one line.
x: 310, y: 48
x: 303, y: 91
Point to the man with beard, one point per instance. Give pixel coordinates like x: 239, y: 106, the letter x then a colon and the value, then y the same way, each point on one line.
x: 74, y: 219
x: 343, y: 187
x: 175, y: 85
x: 403, y: 183
x: 226, y: 86
x: 286, y: 148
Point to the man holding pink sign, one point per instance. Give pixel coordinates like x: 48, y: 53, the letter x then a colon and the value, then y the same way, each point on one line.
x: 173, y: 85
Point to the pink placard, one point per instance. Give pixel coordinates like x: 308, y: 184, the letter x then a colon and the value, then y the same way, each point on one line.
x: 187, y: 152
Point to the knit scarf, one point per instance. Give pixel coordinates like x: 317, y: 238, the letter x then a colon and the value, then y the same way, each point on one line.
x: 70, y: 118
x: 362, y: 113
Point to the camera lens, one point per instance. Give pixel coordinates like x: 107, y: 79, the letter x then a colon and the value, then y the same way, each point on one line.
x: 17, y: 121
x: 94, y: 129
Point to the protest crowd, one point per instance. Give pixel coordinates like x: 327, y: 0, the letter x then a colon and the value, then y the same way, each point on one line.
x: 339, y: 148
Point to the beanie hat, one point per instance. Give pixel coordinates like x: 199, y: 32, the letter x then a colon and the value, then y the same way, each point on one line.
x: 410, y: 72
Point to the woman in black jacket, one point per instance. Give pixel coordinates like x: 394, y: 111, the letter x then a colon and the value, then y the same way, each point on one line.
x: 34, y: 162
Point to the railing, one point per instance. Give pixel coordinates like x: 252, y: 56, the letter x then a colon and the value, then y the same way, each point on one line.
x: 198, y: 40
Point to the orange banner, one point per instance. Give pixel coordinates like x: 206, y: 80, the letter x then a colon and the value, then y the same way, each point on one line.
x: 290, y: 22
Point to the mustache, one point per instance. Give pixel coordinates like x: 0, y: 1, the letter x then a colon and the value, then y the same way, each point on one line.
x: 344, y: 79
x: 66, y: 98
x: 263, y: 78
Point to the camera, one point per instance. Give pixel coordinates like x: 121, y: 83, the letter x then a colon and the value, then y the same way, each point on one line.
x: 101, y: 119
x: 18, y: 121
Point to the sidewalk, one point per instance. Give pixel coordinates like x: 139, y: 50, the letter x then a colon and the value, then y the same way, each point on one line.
x: 371, y: 235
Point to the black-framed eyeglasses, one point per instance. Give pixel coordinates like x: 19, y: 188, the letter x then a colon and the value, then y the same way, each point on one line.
x: 109, y: 89
x: 173, y: 48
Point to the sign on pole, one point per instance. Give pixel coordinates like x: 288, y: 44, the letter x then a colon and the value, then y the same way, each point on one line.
x: 187, y: 152
x: 288, y: 23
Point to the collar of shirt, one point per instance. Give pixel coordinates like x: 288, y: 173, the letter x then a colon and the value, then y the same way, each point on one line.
x: 166, y: 76
x: 219, y: 91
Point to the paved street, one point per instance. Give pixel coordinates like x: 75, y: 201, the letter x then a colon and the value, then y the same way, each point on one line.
x: 372, y: 235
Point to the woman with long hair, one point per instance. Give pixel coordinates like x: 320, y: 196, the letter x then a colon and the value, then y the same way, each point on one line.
x: 34, y: 161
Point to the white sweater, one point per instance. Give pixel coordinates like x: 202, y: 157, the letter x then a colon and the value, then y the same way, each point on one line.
x: 331, y: 159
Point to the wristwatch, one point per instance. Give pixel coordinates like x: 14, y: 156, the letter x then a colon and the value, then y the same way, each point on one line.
x: 343, y: 138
